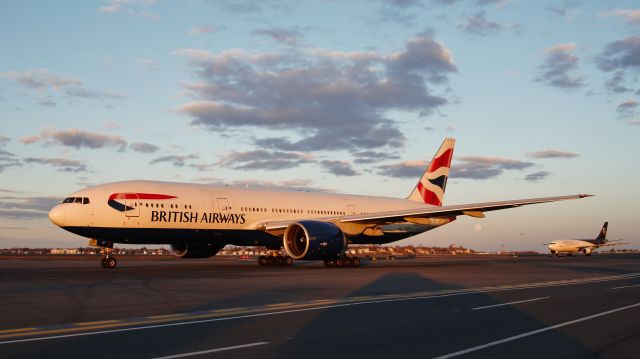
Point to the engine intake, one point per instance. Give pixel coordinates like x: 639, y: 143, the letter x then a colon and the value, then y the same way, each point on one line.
x: 314, y: 240
x: 188, y: 250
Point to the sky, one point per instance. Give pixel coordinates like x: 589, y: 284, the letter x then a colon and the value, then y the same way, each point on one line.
x: 339, y: 96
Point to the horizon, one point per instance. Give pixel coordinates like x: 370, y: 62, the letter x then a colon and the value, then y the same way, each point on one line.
x: 347, y: 97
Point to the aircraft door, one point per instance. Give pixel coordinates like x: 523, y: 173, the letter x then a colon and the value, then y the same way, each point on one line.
x: 223, y: 205
x: 131, y: 201
x: 351, y: 209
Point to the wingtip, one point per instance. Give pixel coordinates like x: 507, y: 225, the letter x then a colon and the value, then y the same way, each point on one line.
x: 584, y: 195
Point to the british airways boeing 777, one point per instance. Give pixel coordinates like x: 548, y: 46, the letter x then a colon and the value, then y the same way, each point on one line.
x: 199, y: 220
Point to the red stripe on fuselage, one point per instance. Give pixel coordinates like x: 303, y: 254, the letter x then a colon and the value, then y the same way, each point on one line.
x: 139, y: 196
x: 443, y: 161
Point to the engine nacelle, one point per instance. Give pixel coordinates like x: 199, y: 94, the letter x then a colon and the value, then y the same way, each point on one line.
x: 314, y: 240
x: 189, y: 250
x: 587, y: 251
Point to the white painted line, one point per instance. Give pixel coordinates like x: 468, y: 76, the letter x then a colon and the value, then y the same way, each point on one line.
x: 184, y: 355
x: 538, y: 331
x: 503, y: 304
x: 330, y: 306
x: 627, y: 286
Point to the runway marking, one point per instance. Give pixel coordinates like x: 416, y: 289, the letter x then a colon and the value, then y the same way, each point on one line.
x: 99, y: 322
x: 503, y: 304
x: 170, y: 320
x: 21, y: 330
x: 627, y: 286
x: 534, y: 332
x: 213, y: 350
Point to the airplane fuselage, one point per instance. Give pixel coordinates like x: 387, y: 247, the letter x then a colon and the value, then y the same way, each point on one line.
x: 572, y: 246
x: 149, y: 212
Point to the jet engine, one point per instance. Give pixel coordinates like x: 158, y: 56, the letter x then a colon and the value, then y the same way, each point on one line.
x: 587, y: 251
x: 314, y: 240
x: 188, y: 250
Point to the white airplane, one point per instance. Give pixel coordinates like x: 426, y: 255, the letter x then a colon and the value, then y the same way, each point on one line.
x: 199, y: 220
x: 585, y: 246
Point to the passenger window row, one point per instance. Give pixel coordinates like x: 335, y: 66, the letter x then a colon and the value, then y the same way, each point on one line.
x: 293, y: 211
x: 161, y: 205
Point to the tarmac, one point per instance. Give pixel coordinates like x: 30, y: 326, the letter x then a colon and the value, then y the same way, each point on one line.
x: 435, y: 307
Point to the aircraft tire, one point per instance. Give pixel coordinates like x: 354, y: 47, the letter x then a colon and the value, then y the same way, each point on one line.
x: 348, y: 262
x: 328, y: 263
x: 110, y: 262
x: 280, y: 260
x: 355, y: 261
x: 262, y: 260
x: 271, y: 261
x: 288, y: 261
x: 339, y: 262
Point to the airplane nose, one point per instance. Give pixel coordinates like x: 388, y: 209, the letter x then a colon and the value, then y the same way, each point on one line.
x: 56, y: 215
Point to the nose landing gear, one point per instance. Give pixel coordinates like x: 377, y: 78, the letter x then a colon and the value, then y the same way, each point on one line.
x: 106, y: 247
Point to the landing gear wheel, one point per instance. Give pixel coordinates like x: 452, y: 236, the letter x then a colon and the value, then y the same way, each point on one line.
x: 271, y: 260
x: 262, y: 260
x: 108, y: 262
x: 288, y: 260
x: 280, y: 260
x: 339, y: 262
x: 328, y: 263
x: 348, y: 262
x: 355, y: 261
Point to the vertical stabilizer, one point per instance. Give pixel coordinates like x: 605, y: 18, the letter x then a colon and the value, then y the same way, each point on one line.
x: 602, y: 237
x: 430, y: 188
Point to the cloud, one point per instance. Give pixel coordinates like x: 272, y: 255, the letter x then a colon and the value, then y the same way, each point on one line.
x: 552, y: 154
x: 201, y: 30
x: 62, y: 164
x: 143, y: 147
x: 620, y: 55
x: 40, y: 79
x: 339, y: 168
x: 293, y: 184
x: 45, y: 80
x: 537, y: 176
x: 366, y: 157
x: 91, y: 94
x: 335, y: 100
x: 77, y: 139
x: 8, y: 160
x: 559, y: 68
x: 630, y: 16
x: 264, y: 160
x: 479, y: 25
x: 616, y: 83
x: 479, y: 167
x: 627, y: 109
x: 178, y: 161
x: 634, y: 122
x: 133, y: 8
x: 404, y: 169
x: 26, y: 207
x: 281, y: 35
x: 148, y: 64
x: 47, y: 103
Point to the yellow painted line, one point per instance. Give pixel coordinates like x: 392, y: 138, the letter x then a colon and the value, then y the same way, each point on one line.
x: 98, y: 322
x: 21, y: 330
x: 167, y: 316
x: 276, y: 305
x: 228, y: 310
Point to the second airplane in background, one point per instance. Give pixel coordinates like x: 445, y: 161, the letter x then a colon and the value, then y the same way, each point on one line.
x: 586, y: 246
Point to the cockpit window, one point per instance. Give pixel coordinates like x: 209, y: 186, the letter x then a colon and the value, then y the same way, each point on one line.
x: 68, y: 200
x: 78, y: 200
x: 85, y: 200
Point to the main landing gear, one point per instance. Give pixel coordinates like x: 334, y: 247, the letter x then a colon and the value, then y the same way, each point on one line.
x: 343, y: 262
x: 275, y: 259
x: 108, y: 262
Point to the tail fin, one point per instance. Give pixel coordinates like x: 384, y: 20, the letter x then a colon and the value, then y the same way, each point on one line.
x: 430, y: 188
x: 602, y: 237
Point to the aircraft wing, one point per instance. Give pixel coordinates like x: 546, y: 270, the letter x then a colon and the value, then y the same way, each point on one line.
x: 399, y: 216
x: 610, y: 244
